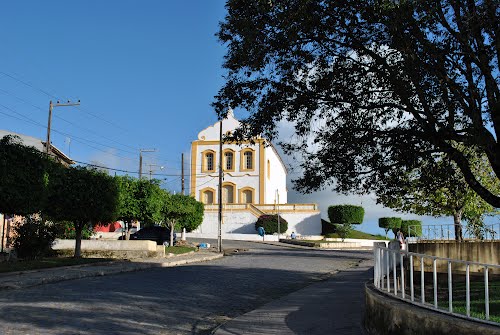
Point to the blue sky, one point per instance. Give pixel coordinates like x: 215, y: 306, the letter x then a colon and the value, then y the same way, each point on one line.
x: 145, y: 72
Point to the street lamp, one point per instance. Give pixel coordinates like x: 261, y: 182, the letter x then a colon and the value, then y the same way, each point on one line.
x: 151, y: 170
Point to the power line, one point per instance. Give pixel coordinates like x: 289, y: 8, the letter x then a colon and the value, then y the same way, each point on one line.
x: 72, y: 123
x: 55, y: 97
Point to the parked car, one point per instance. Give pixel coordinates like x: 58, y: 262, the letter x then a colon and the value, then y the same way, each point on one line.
x: 154, y: 233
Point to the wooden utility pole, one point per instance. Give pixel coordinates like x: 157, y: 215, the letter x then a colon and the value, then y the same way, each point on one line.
x: 140, y: 159
x: 219, y: 236
x: 51, y: 107
x: 182, y: 173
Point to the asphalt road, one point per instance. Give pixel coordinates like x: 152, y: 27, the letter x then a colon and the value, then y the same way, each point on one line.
x: 190, y: 299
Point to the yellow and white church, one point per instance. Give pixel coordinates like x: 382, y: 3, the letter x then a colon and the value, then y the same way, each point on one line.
x: 254, y: 184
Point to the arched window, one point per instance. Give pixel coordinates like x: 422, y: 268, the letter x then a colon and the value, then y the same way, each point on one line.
x: 246, y: 195
x: 207, y: 196
x: 247, y: 160
x: 208, y: 161
x: 228, y: 160
x: 228, y: 193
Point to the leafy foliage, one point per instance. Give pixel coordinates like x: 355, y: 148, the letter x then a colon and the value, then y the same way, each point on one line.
x: 270, y: 224
x: 416, y: 227
x: 343, y: 230
x: 375, y: 86
x: 66, y: 230
x: 83, y: 197
x: 346, y: 214
x: 34, y: 239
x: 389, y: 223
x: 180, y: 211
x: 24, y: 178
x: 438, y: 188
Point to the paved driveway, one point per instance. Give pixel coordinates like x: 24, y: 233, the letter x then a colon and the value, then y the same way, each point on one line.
x: 189, y: 299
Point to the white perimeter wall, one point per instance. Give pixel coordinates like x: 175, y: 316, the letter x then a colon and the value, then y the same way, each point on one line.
x: 303, y: 223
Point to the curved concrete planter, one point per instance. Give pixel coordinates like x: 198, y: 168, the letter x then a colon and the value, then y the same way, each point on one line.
x: 385, y: 315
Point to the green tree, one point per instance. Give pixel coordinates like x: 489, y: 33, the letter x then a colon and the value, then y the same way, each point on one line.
x: 195, y: 218
x: 128, y: 203
x: 24, y: 178
x: 438, y: 188
x: 375, y: 85
x: 84, y: 197
x: 411, y: 227
x: 178, y: 210
x: 390, y: 223
x: 150, y: 201
x: 344, y: 216
x: 139, y: 200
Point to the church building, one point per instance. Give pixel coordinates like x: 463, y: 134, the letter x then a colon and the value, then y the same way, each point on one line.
x: 254, y: 184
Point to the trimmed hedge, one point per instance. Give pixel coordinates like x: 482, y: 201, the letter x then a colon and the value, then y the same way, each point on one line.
x: 416, y: 229
x: 270, y: 224
x: 391, y: 223
x: 346, y: 214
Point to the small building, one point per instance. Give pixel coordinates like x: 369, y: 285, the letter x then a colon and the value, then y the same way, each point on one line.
x: 254, y: 184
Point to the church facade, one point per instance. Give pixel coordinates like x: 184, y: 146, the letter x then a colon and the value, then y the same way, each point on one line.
x: 254, y: 184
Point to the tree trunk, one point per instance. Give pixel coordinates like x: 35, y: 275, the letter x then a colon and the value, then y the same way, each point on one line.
x: 78, y: 240
x: 457, y: 219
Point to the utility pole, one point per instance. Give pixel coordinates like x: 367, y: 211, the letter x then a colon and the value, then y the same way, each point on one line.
x: 219, y: 237
x: 182, y: 173
x: 151, y: 170
x: 51, y: 107
x: 140, y: 159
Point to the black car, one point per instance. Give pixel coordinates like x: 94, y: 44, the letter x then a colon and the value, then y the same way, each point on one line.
x: 155, y: 233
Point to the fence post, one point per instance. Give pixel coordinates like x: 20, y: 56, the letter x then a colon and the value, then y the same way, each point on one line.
x: 402, y: 276
x: 412, y: 290
x: 434, y: 279
x: 486, y: 294
x: 422, y: 278
x: 467, y: 288
x: 450, y: 289
x: 394, y: 273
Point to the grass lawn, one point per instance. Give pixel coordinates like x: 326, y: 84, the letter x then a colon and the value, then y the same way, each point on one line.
x: 52, y: 262
x: 477, y: 307
x: 177, y: 250
x: 358, y: 234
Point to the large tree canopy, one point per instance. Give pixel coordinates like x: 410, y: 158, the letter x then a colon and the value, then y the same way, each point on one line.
x: 370, y: 86
x: 438, y: 188
x: 24, y: 177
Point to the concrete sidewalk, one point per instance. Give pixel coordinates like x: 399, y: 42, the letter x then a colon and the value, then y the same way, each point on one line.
x: 23, y: 279
x: 333, y: 306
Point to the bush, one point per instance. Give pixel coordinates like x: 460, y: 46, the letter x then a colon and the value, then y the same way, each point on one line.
x: 416, y: 227
x: 346, y: 214
x: 343, y: 230
x: 34, y: 239
x: 66, y: 230
x: 270, y: 224
x: 391, y: 223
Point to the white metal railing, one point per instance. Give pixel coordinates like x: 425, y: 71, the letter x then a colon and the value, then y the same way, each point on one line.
x: 393, y: 265
x: 447, y: 232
